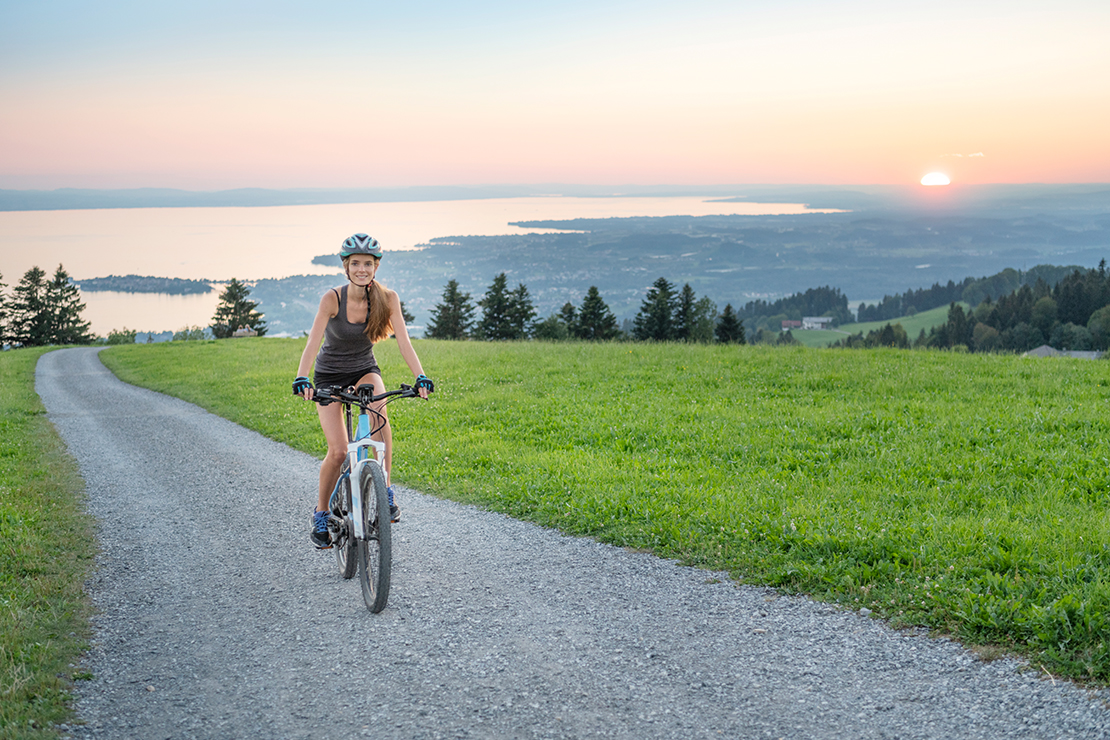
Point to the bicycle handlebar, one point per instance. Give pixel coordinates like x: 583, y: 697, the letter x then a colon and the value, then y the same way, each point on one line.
x: 362, y: 397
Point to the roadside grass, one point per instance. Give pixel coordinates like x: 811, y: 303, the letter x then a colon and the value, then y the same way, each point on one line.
x: 913, y: 325
x: 963, y: 492
x: 46, y: 552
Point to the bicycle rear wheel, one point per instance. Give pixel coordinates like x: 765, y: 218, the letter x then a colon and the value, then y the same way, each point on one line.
x: 345, y: 547
x: 375, y: 552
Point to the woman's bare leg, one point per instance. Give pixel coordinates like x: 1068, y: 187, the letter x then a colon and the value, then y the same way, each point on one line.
x: 335, y: 431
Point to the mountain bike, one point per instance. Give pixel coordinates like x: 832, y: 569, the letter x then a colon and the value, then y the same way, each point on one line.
x: 358, y: 517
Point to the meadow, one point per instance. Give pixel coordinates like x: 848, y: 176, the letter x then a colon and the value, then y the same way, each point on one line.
x: 46, y: 550
x: 965, y: 493
x: 913, y: 325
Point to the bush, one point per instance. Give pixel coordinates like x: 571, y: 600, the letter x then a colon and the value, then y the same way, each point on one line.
x: 1071, y: 337
x: 189, y: 333
x: 551, y: 329
x: 122, y: 336
x: 1099, y: 327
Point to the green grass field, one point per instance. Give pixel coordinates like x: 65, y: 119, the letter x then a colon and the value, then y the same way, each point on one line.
x: 46, y: 551
x: 963, y: 492
x: 912, y: 324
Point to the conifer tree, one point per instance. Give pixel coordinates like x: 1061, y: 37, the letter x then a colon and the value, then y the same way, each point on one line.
x: 568, y: 314
x: 453, y: 316
x: 522, y: 312
x: 655, y: 321
x: 29, y: 320
x: 496, y: 322
x: 730, y: 330
x: 3, y: 312
x: 595, y: 321
x: 684, y: 315
x: 63, y: 300
x: 959, y: 332
x: 234, y: 311
x: 506, y: 314
x: 407, y: 317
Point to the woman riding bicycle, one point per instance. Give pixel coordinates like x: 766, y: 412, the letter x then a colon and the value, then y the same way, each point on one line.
x: 349, y: 321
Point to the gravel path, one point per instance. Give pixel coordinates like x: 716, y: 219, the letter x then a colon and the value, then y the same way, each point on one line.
x: 217, y: 619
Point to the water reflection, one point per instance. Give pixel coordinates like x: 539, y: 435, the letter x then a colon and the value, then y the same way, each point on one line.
x: 144, y: 312
x: 273, y: 242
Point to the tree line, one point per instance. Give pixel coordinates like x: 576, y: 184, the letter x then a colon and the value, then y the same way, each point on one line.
x: 41, y: 311
x: 666, y: 315
x: 970, y: 290
x: 763, y: 316
x: 1074, y: 314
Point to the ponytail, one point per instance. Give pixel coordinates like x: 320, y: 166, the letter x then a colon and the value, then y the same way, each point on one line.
x: 379, y: 322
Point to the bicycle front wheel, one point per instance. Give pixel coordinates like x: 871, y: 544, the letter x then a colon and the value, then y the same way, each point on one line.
x: 345, y: 547
x: 375, y: 551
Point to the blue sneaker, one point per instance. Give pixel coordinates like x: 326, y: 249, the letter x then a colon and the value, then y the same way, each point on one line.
x: 320, y: 536
x: 394, y: 511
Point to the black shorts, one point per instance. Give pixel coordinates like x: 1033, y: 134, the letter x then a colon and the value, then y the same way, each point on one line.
x: 343, y: 380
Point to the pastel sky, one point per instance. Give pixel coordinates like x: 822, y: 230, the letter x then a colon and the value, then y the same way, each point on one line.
x: 222, y: 94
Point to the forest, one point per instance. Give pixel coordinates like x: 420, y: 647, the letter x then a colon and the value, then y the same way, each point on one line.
x: 1071, y: 315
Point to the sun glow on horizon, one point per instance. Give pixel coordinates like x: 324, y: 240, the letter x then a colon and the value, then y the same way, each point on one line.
x: 935, y: 178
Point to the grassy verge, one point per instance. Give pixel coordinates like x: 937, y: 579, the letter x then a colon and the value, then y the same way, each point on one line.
x: 46, y: 550
x: 967, y: 493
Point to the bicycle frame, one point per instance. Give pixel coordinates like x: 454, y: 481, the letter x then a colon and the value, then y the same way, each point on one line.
x: 359, y: 455
x: 359, y: 439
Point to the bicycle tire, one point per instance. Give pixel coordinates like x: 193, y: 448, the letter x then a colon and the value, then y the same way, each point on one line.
x: 375, y: 552
x: 346, y: 554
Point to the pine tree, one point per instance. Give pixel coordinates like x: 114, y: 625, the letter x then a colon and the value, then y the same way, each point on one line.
x: 234, y: 311
x: 959, y: 332
x: 451, y: 318
x: 730, y: 330
x: 496, y: 323
x: 684, y: 317
x: 29, y: 320
x: 522, y: 312
x: 568, y: 314
x: 595, y: 321
x: 655, y: 321
x: 3, y: 312
x: 64, y: 302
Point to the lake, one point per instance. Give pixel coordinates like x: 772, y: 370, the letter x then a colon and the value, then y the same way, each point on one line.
x: 275, y: 242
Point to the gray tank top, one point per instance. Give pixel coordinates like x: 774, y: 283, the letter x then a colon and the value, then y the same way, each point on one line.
x: 346, y: 347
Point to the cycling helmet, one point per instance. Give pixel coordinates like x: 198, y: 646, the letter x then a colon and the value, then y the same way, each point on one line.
x: 361, y: 244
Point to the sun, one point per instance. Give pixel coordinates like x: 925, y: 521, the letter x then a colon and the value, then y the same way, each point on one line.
x: 935, y: 178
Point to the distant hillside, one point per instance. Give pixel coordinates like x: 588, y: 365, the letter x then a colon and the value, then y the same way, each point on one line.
x: 141, y: 284
x: 739, y: 259
x: 996, y: 201
x: 913, y: 325
x: 970, y: 290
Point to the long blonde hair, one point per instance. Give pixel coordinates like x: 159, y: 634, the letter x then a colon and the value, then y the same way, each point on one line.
x: 379, y: 321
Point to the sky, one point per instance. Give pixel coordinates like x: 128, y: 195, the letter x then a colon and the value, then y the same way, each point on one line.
x: 281, y: 94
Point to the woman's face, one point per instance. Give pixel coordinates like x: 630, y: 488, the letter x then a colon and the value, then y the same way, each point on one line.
x: 361, y: 268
